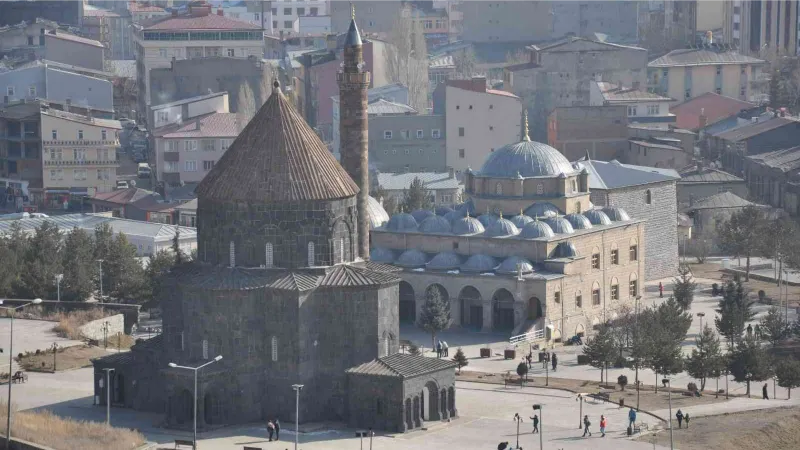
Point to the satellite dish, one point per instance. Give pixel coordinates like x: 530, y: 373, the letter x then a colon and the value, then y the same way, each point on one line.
x: 361, y: 65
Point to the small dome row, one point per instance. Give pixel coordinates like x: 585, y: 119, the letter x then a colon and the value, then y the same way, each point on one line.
x: 414, y: 258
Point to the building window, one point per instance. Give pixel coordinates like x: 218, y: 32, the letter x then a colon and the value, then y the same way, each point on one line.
x: 742, y: 91
x: 190, y: 146
x: 274, y: 24
x: 539, y: 189
x: 56, y: 154
x: 614, y: 290
x: 687, y: 94
x: 10, y: 91
x: 633, y: 288
x: 55, y: 135
x: 79, y: 174
x: 420, y: 134
x: 652, y: 110
x: 648, y: 197
x: 79, y: 154
x: 205, y: 349
x: 301, y: 11
x: 575, y: 186
x: 595, y: 260
x: 274, y: 11
x: 287, y: 11
x: 634, y: 253
x: 208, y: 145
x: 719, y: 70
x: 104, y: 135
x: 498, y: 189
x: 80, y: 134
x: 274, y: 342
x: 387, y: 134
x: 578, y: 207
x: 314, y: 11
x: 436, y: 134
x: 557, y: 297
x: 595, y: 296
x: 311, y: 258
x: 268, y: 255
x: 208, y: 165
x: 403, y: 134
x: 461, y: 153
x: 287, y: 24
x: 578, y: 300
x: 191, y: 166
x: 718, y: 91
x: 232, y: 254
x: 162, y: 116
x: 231, y: 52
x: 461, y: 131
x: 631, y: 110
x: 57, y: 174
x: 32, y: 91
x: 615, y: 256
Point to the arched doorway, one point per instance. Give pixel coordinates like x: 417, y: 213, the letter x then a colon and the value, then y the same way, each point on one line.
x: 430, y: 402
x: 580, y: 330
x: 183, y: 407
x: 534, y: 308
x: 119, y: 388
x: 409, y: 415
x: 408, y: 304
x: 503, y: 310
x: 209, y: 404
x: 471, y: 305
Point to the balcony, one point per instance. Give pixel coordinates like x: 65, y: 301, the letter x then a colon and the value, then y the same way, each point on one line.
x: 81, y: 162
x: 19, y: 138
x: 82, y: 143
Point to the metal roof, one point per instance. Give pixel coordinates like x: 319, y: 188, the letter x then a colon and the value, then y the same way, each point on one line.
x: 652, y: 144
x: 613, y: 174
x: 208, y: 22
x: 786, y: 159
x: 749, y: 130
x: 709, y: 175
x: 442, y: 62
x: 702, y: 57
x: 380, y: 107
x: 713, y: 106
x: 613, y: 93
x: 213, y: 125
x: 722, y: 200
x: 343, y: 275
x: 431, y: 180
x: 402, y: 365
x: 89, y: 222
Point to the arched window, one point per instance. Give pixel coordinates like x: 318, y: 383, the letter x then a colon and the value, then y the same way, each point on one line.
x: 648, y: 197
x: 574, y: 186
x: 274, y: 348
x: 205, y: 349
x: 633, y: 285
x: 614, y: 289
x: 578, y: 299
x: 232, y: 254
x: 268, y: 261
x: 311, y: 258
x: 498, y: 189
x: 578, y: 208
x: 386, y: 347
x: 539, y: 189
x: 595, y: 294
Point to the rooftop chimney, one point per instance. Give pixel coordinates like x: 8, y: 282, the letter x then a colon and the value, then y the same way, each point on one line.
x: 703, y: 118
x: 67, y: 104
x: 220, y: 12
x: 479, y: 84
x: 451, y: 172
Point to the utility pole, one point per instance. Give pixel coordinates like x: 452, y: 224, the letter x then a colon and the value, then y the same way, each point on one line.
x: 101, y: 279
x: 108, y: 395
x: 671, y: 441
x: 55, y: 349
x: 517, y: 419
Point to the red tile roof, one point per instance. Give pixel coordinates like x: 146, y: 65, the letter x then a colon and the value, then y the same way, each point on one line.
x: 137, y: 7
x: 714, y: 106
x: 73, y: 38
x: 499, y: 92
x: 478, y: 85
x: 209, y: 22
x: 210, y: 125
x: 123, y: 196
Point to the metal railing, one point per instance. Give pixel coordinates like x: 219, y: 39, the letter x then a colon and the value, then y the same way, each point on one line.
x: 533, y: 335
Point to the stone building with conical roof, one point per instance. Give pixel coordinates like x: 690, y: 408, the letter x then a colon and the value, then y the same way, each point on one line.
x: 281, y: 290
x: 528, y: 254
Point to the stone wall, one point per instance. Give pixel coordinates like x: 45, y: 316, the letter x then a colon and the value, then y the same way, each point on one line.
x: 131, y: 312
x: 95, y: 329
x: 661, y: 228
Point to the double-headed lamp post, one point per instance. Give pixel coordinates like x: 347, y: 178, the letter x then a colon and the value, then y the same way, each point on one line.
x: 59, y: 277
x: 538, y: 407
x: 11, y: 310
x: 195, y: 370
x: 701, y: 315
x: 669, y: 387
x: 297, y: 388
x: 101, y: 279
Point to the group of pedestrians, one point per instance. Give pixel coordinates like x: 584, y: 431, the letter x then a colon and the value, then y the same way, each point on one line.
x: 547, y: 358
x: 682, y: 418
x: 587, y: 424
x: 442, y: 349
x: 274, y: 428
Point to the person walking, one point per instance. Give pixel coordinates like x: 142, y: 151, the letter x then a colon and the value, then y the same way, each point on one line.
x: 535, y: 420
x: 686, y: 418
x: 749, y: 330
x: 277, y: 430
x: 438, y: 349
x: 445, y: 349
x: 270, y: 429
x: 603, y: 426
x: 764, y: 391
x: 554, y: 359
x: 546, y: 359
x: 660, y: 289
x: 679, y: 416
x: 631, y: 418
x: 586, y: 425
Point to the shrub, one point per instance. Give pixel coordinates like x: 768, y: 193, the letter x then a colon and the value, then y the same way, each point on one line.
x: 691, y: 387
x: 714, y: 289
x: 761, y: 295
x: 622, y: 381
x: 69, y: 323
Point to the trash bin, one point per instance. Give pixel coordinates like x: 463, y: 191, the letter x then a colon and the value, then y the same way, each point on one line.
x: 622, y: 403
x: 630, y: 431
x: 541, y: 356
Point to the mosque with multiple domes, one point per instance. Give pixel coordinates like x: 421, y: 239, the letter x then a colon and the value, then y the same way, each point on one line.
x: 528, y: 252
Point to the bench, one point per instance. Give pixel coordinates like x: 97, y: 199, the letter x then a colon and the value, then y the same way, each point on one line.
x: 183, y: 443
x: 602, y: 396
x: 19, y: 377
x: 638, y: 427
x: 514, y: 381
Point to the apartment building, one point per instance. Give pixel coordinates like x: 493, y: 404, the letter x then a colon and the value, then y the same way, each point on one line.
x: 683, y: 74
x: 111, y: 28
x: 477, y: 120
x: 190, y: 136
x: 643, y: 107
x: 285, y: 15
x: 197, y: 34
x: 761, y: 27
x: 393, y: 93
x: 59, y: 153
x: 42, y: 39
x: 142, y: 12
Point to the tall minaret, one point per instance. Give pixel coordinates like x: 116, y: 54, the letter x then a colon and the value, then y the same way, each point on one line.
x: 353, y: 83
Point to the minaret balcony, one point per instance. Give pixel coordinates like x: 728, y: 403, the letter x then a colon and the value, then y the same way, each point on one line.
x: 357, y: 78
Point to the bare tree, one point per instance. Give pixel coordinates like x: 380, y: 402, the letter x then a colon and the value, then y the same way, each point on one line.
x: 519, y: 56
x: 245, y: 105
x: 407, y: 58
x: 466, y: 63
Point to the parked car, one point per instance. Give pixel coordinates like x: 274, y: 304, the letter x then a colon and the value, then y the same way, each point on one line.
x: 143, y: 171
x: 122, y: 184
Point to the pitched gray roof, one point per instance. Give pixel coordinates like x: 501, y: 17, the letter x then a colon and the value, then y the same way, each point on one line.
x: 431, y: 180
x: 89, y: 222
x: 702, y: 57
x: 384, y: 107
x: 749, y: 130
x: 402, y: 365
x: 786, y: 159
x: 350, y: 276
x: 722, y: 200
x: 708, y: 175
x: 613, y: 174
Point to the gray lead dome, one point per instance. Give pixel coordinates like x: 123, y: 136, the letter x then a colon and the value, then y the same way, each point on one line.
x: 513, y: 264
x: 467, y: 226
x: 412, y: 258
x: 565, y: 250
x: 526, y: 159
x: 479, y: 263
x: 616, y: 214
x: 445, y: 261
x: 520, y: 220
x: 421, y: 214
x: 536, y: 229
x: 560, y: 225
x: 579, y: 221
x: 435, y: 224
x: 402, y: 222
x: 542, y: 209
x: 382, y: 255
x: 502, y: 228
x: 597, y: 217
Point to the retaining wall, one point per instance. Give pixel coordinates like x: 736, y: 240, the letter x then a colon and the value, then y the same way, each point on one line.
x: 96, y: 328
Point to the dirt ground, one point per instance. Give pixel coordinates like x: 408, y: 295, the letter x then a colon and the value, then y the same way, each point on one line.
x: 649, y: 400
x: 712, y: 271
x: 66, y: 359
x: 773, y: 429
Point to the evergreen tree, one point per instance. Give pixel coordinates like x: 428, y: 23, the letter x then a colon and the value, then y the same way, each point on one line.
x: 79, y: 265
x: 460, y: 359
x: 673, y: 319
x: 788, y: 374
x: 416, y: 197
x: 103, y: 241
x: 773, y: 327
x: 734, y: 311
x: 683, y: 287
x: 706, y: 360
x: 123, y: 270
x: 435, y: 314
x: 158, y: 267
x: 749, y: 362
x: 522, y: 370
x: 601, y: 349
x: 180, y: 256
x: 42, y: 262
x: 413, y: 349
x: 742, y: 234
x: 12, y: 255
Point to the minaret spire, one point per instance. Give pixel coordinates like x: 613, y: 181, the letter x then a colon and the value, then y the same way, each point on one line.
x: 525, y: 137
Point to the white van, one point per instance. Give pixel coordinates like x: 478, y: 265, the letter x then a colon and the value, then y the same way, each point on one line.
x: 143, y: 171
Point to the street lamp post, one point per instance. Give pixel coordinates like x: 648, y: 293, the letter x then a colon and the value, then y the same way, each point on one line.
x: 55, y: 349
x: 701, y: 315
x: 59, y: 277
x: 11, y: 310
x: 538, y: 407
x: 297, y: 388
x: 108, y: 395
x: 195, y: 370
x: 669, y: 387
x: 580, y: 415
x: 517, y: 419
x: 101, y: 279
